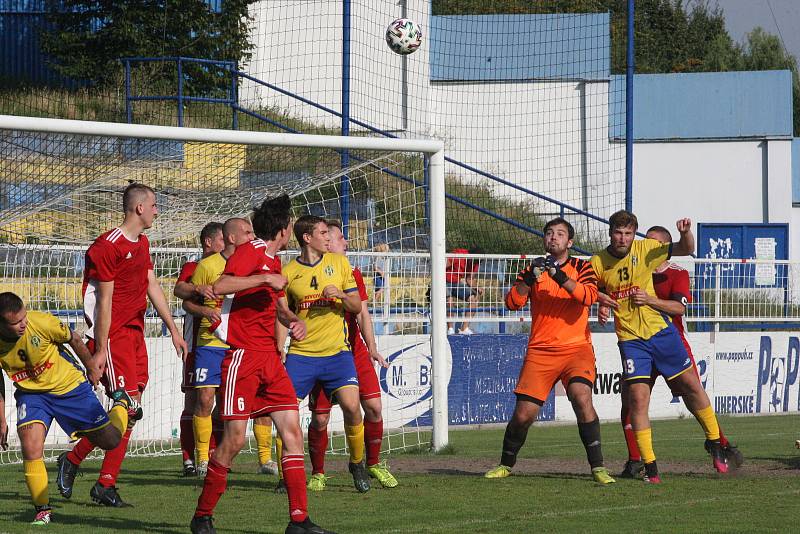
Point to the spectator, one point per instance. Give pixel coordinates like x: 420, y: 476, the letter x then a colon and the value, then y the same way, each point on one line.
x: 461, y: 277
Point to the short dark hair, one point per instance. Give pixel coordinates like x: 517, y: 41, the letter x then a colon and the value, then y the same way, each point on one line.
x: 660, y: 230
x: 562, y: 221
x: 622, y: 219
x: 272, y: 216
x: 305, y: 225
x: 134, y: 194
x: 336, y: 223
x: 209, y: 231
x: 9, y: 302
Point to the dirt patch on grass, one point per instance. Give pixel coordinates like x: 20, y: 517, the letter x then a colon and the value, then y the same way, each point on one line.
x: 459, y: 466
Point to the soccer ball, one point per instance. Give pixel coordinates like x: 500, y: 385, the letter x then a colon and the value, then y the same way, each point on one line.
x: 403, y: 36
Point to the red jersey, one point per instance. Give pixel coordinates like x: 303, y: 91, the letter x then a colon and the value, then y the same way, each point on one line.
x: 248, y: 317
x: 458, y: 268
x: 673, y: 284
x: 190, y: 326
x: 354, y: 332
x: 114, y: 258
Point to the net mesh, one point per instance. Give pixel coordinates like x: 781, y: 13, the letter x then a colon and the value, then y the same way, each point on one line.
x: 59, y: 192
x: 526, y: 102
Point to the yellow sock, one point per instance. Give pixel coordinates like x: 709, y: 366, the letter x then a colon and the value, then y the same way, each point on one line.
x: 202, y: 436
x: 355, y: 442
x: 644, y: 440
x: 263, y: 435
x: 279, y: 454
x: 708, y: 420
x: 36, y: 480
x: 119, y: 418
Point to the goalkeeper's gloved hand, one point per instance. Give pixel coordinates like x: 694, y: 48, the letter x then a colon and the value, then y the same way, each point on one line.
x: 530, y: 274
x: 554, y: 269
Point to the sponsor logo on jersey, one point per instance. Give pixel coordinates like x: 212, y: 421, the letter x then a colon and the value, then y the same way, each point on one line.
x: 34, y: 372
x: 624, y: 293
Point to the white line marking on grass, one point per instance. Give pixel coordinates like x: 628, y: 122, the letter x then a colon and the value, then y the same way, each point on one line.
x: 593, y: 511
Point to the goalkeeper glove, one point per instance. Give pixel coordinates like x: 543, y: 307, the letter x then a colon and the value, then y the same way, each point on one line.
x: 530, y: 274
x: 554, y: 269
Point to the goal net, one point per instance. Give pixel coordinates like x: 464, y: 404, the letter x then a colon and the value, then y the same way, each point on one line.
x: 60, y: 190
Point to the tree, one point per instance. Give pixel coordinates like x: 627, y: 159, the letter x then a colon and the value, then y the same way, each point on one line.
x: 86, y: 38
x: 764, y: 51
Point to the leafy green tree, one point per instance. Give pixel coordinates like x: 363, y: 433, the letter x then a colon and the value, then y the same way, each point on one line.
x: 86, y: 38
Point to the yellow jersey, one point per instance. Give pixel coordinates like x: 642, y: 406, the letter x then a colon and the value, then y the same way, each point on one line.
x: 33, y: 362
x: 326, y: 328
x: 621, y: 277
x: 208, y: 271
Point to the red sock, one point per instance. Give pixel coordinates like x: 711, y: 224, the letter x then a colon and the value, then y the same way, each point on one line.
x: 112, y: 462
x: 80, y: 451
x: 317, y: 445
x: 723, y: 440
x: 373, y: 438
x: 213, y: 487
x: 630, y: 437
x: 294, y: 475
x: 187, y: 436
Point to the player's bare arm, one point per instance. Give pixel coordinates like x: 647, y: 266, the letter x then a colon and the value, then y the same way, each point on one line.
x: 228, y: 284
x: 604, y: 300
x: 364, y: 320
x: 685, y: 246
x: 159, y: 301
x: 603, y: 314
x: 670, y: 307
x: 351, y: 301
x: 281, y: 333
x: 94, y: 366
x: 103, y: 322
x: 198, y: 310
x: 188, y: 290
x: 289, y: 320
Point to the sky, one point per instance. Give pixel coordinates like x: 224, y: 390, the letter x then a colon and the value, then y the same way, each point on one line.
x: 741, y: 16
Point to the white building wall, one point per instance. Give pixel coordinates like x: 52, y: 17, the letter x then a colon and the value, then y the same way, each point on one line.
x: 532, y: 134
x: 715, y: 182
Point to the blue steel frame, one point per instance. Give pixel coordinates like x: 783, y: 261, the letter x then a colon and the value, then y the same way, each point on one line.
x: 346, y: 120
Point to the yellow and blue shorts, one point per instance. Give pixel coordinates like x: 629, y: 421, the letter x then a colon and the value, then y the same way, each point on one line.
x: 664, y: 352
x: 208, y: 366
x: 332, y: 372
x: 76, y: 412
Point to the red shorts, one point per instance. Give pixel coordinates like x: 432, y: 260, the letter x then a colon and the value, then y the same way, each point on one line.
x: 544, y: 367
x: 126, y: 366
x: 187, y: 382
x: 368, y: 386
x: 254, y: 383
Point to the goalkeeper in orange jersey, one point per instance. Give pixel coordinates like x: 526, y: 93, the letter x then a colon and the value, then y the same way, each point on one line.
x: 50, y: 385
x: 561, y: 290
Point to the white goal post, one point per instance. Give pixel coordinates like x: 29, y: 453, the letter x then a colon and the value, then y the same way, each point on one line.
x: 433, y: 151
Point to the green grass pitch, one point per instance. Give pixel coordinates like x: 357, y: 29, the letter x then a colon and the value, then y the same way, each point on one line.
x: 551, y: 489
